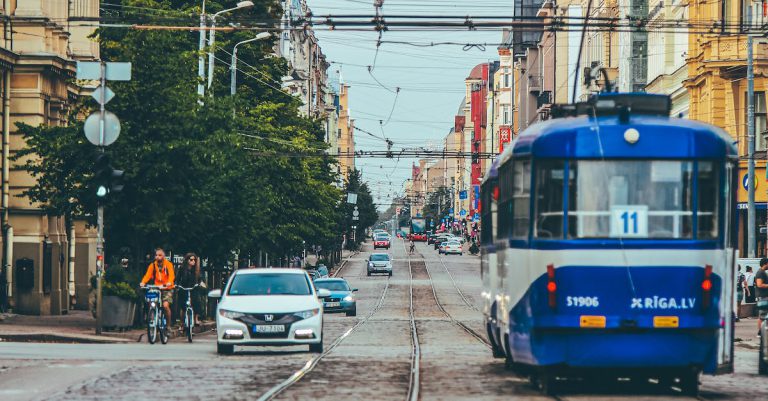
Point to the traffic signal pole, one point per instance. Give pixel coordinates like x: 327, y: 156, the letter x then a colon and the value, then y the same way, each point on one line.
x: 102, y: 132
x: 100, y: 209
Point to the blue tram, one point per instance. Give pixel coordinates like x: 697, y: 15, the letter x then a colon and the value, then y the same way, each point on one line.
x: 611, y: 233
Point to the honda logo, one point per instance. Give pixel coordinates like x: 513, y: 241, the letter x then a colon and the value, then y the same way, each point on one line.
x: 269, y: 318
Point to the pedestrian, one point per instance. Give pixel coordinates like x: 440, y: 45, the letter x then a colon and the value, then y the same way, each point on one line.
x: 761, y: 292
x: 749, y: 279
x: 187, y: 276
x: 740, y: 284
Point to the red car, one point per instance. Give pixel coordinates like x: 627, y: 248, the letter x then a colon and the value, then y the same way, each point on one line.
x: 381, y: 241
x: 418, y: 237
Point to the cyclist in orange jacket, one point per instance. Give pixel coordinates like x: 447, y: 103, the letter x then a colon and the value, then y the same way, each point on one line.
x: 161, y: 270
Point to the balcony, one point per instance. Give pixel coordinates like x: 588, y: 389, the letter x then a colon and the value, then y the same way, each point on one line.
x: 543, y: 99
x: 535, y: 83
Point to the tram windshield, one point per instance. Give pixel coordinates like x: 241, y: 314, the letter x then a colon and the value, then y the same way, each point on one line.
x: 627, y: 199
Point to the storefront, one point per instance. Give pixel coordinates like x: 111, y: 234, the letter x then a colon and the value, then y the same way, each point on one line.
x: 761, y: 198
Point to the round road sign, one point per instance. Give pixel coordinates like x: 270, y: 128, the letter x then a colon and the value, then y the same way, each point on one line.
x: 111, y: 129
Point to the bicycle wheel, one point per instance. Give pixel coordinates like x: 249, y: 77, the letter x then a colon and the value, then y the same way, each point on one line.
x: 189, y: 323
x: 152, y: 325
x: 164, y: 331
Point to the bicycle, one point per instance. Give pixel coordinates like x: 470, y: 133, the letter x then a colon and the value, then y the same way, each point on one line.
x: 156, y: 320
x: 189, y: 313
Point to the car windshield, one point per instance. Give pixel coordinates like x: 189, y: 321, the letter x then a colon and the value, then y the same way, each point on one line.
x: 332, y: 285
x: 269, y: 284
x: 381, y: 237
x: 453, y: 243
x: 380, y: 257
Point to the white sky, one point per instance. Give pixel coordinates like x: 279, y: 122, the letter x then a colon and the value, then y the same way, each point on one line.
x: 431, y: 79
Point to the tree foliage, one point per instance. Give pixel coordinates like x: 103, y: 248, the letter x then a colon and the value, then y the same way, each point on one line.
x: 365, y: 207
x: 210, y: 178
x: 438, y: 204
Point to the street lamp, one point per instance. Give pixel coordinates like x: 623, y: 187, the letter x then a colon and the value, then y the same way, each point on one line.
x: 212, y: 40
x: 233, y: 65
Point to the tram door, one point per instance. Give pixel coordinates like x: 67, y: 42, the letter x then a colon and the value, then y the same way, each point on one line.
x: 725, y: 338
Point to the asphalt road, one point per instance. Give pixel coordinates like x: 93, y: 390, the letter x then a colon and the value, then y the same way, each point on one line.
x: 367, y: 357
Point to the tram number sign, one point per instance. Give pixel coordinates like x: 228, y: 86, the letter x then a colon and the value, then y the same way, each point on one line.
x: 629, y: 221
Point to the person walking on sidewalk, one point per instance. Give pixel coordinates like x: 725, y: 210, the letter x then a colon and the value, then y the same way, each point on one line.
x: 749, y: 278
x: 161, y: 271
x: 187, y: 277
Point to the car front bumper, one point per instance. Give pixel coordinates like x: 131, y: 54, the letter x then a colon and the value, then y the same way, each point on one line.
x: 234, y: 332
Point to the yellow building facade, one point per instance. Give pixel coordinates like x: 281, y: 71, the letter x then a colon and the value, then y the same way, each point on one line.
x: 40, y: 41
x: 717, y: 86
x: 346, y: 133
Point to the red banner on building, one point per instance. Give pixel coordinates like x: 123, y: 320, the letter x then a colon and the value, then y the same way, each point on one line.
x: 505, y: 137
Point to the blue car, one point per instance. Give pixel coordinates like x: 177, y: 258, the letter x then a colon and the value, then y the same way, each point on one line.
x: 342, y: 297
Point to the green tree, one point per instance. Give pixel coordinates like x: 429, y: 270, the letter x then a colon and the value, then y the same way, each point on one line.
x: 198, y: 177
x: 437, y: 205
x: 365, y: 207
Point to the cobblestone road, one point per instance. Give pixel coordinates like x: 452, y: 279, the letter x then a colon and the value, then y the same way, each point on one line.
x: 371, y: 363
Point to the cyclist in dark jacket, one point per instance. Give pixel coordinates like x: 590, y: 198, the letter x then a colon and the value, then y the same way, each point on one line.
x: 187, y: 276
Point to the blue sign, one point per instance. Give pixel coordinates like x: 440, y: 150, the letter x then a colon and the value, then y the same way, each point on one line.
x: 450, y: 211
x: 462, y: 213
x: 476, y: 190
x: 462, y: 194
x: 476, y: 217
x: 745, y: 183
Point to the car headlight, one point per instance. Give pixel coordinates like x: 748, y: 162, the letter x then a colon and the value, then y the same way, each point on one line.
x: 370, y: 264
x: 307, y: 313
x: 349, y: 298
x: 231, y: 314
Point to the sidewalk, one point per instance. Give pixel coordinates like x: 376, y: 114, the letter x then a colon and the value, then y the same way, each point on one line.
x: 75, y: 327
x: 746, y: 334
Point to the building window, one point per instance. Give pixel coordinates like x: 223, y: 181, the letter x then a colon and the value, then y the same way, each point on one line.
x: 761, y: 121
x: 505, y: 117
x: 752, y: 17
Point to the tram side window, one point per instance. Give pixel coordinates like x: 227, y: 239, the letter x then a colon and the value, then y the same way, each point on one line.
x: 550, y: 175
x: 486, y: 232
x: 521, y: 199
x: 708, y: 196
x: 505, y: 201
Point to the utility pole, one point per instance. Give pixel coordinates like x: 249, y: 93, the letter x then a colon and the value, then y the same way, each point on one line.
x: 751, y: 237
x: 201, y: 57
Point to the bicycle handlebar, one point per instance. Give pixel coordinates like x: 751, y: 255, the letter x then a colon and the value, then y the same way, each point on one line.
x: 155, y: 287
x: 188, y: 289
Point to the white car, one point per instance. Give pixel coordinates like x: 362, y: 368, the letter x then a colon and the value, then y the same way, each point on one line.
x: 269, y: 307
x: 453, y: 247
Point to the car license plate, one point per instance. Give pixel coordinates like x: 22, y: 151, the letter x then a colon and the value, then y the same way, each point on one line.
x: 332, y: 304
x: 270, y: 329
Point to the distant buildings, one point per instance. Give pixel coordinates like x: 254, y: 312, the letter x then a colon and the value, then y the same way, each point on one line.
x: 703, y: 70
x: 311, y: 78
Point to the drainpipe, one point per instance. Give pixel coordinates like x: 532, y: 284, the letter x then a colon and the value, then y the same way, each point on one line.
x: 6, y: 224
x: 71, y: 263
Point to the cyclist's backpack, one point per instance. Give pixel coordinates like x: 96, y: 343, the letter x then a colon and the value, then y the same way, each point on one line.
x: 740, y: 281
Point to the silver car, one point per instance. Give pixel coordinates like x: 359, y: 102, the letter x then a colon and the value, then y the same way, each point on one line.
x: 380, y: 263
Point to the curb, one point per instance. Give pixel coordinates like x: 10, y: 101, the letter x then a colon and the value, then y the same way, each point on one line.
x: 59, y: 338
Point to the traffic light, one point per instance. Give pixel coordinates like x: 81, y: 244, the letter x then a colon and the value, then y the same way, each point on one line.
x: 476, y: 153
x: 106, y: 180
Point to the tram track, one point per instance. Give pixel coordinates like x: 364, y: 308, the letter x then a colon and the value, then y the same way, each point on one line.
x: 460, y: 292
x: 413, y: 384
x: 453, y: 320
x: 314, y: 362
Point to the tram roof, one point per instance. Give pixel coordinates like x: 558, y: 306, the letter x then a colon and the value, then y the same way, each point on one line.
x: 659, y: 137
